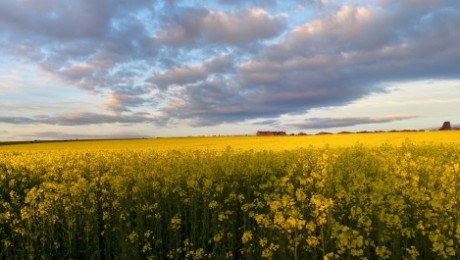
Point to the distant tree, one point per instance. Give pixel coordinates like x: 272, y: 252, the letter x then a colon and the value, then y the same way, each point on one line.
x: 446, y: 126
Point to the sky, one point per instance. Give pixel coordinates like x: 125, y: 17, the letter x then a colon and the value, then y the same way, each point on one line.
x: 124, y: 69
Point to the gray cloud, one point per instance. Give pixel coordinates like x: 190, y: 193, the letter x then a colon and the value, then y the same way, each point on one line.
x: 332, y: 61
x: 86, y: 44
x: 16, y: 120
x: 256, y: 3
x: 216, y: 100
x: 79, y: 118
x: 64, y: 20
x: 191, y: 74
x: 332, y: 122
x: 91, y: 118
x: 50, y: 135
x: 84, y: 19
x: 221, y: 27
x: 163, y: 58
x: 122, y: 102
x: 122, y: 99
x: 270, y: 122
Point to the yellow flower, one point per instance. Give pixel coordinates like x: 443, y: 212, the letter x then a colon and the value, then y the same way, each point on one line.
x: 312, y: 241
x: 383, y: 252
x: 176, y: 222
x: 213, y: 204
x: 263, y: 242
x: 247, y: 237
x: 412, y: 253
x: 132, y: 237
x: 217, y: 237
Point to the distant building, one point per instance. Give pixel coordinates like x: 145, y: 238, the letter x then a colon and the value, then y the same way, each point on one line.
x: 270, y: 133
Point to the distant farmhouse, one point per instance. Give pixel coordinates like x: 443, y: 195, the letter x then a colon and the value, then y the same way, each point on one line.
x: 270, y: 133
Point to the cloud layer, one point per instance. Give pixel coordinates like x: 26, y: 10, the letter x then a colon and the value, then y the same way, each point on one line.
x: 324, y: 123
x: 233, y: 28
x: 176, y: 62
x: 78, y: 119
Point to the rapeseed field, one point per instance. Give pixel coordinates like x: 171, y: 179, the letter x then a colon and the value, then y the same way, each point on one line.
x: 366, y: 196
x: 240, y: 143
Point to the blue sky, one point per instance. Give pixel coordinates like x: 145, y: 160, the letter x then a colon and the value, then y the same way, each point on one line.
x: 119, y: 68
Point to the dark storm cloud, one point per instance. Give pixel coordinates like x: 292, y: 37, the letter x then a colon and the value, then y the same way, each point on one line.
x: 206, y: 66
x: 332, y: 122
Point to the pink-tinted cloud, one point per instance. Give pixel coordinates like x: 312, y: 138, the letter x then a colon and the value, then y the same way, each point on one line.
x: 232, y: 28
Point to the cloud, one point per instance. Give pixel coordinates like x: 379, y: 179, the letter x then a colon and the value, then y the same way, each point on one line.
x: 265, y: 3
x: 79, y: 118
x: 214, y: 101
x: 233, y: 28
x: 50, y: 135
x: 229, y: 62
x: 122, y: 99
x: 84, y: 19
x: 122, y: 102
x: 83, y: 43
x: 333, y: 122
x: 191, y: 74
x: 56, y: 18
x: 332, y: 61
x: 270, y: 122
x: 16, y: 120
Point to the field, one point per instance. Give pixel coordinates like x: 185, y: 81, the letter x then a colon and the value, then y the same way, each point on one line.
x: 241, y: 143
x: 351, y: 196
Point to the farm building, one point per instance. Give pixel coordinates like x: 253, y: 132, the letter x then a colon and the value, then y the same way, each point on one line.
x: 270, y: 133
